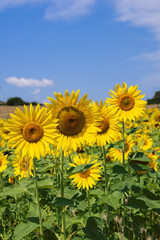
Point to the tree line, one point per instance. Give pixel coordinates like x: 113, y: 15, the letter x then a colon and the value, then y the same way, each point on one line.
x: 17, y: 101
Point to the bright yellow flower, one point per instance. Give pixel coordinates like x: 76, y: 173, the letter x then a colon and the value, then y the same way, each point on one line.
x: 31, y: 132
x: 3, y: 162
x: 145, y: 142
x: 108, y: 125
x: 127, y: 102
x: 86, y: 179
x: 22, y: 166
x: 117, y: 154
x: 153, y: 157
x: 76, y: 119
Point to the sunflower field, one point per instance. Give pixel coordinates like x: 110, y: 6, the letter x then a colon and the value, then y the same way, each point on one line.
x: 79, y: 169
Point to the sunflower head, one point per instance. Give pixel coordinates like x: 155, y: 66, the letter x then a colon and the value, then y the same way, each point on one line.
x: 3, y: 162
x: 107, y: 124
x: 127, y: 102
x: 23, y: 166
x: 32, y: 131
x: 86, y: 179
x: 76, y: 119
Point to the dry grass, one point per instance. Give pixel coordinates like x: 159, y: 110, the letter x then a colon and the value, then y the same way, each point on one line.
x: 6, y: 110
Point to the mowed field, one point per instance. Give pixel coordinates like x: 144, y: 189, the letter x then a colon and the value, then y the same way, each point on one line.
x: 6, y: 110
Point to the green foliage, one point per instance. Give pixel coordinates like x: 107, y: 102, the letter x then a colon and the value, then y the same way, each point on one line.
x: 15, y: 101
x: 155, y: 99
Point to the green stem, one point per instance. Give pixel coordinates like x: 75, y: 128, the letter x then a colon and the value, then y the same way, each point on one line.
x: 89, y: 204
x: 106, y: 186
x: 1, y: 178
x: 105, y: 172
x: 37, y: 200
x: 123, y: 150
x: 62, y: 195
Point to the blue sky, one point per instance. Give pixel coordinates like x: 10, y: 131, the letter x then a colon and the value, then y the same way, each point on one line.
x: 48, y: 46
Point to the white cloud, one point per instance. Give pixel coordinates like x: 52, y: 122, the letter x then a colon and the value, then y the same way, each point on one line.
x: 55, y: 8
x: 36, y: 91
x: 145, y: 13
x: 29, y: 82
x: 69, y: 8
x: 148, y: 57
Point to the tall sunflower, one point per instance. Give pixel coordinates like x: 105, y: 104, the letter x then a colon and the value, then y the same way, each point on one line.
x: 76, y: 119
x: 3, y: 162
x: 86, y: 179
x: 127, y: 102
x: 108, y: 128
x: 22, y: 166
x: 32, y: 131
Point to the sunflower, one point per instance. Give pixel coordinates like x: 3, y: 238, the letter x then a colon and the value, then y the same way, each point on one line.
x: 31, y: 132
x: 76, y: 119
x: 153, y: 157
x: 85, y: 179
x: 3, y: 162
x: 145, y: 142
x: 117, y: 153
x: 108, y: 125
x: 127, y: 102
x: 152, y: 164
x: 22, y: 166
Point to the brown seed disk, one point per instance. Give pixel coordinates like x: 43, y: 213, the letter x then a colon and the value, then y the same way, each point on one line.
x: 71, y: 121
x: 126, y: 102
x: 32, y: 132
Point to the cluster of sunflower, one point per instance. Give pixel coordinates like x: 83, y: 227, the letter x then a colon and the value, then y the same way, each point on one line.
x: 69, y: 124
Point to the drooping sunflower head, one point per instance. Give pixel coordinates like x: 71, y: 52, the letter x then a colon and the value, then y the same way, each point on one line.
x: 153, y: 163
x: 32, y: 131
x: 127, y: 101
x: 23, y: 166
x: 108, y: 128
x: 76, y: 119
x: 86, y: 179
x: 3, y: 162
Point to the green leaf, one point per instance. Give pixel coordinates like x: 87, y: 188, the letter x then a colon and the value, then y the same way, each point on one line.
x: 13, y: 191
x: 46, y: 183
x: 82, y: 205
x: 119, y: 169
x: 79, y: 168
x: 136, y: 203
x: 73, y: 220
x: 71, y: 193
x: 119, y: 235
x: 141, y: 157
x: 112, y: 199
x: 150, y: 203
x: 96, y: 192
x: 92, y: 231
x: 133, y: 130
x: 61, y: 201
x: 46, y: 168
x: 24, y: 229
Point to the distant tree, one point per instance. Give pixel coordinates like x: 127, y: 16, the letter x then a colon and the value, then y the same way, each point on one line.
x: 34, y: 103
x: 155, y: 99
x: 2, y: 103
x: 14, y: 101
x: 26, y: 103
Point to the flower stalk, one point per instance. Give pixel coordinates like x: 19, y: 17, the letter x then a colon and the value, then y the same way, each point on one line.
x: 89, y: 204
x: 62, y: 195
x: 123, y: 148
x: 37, y: 200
